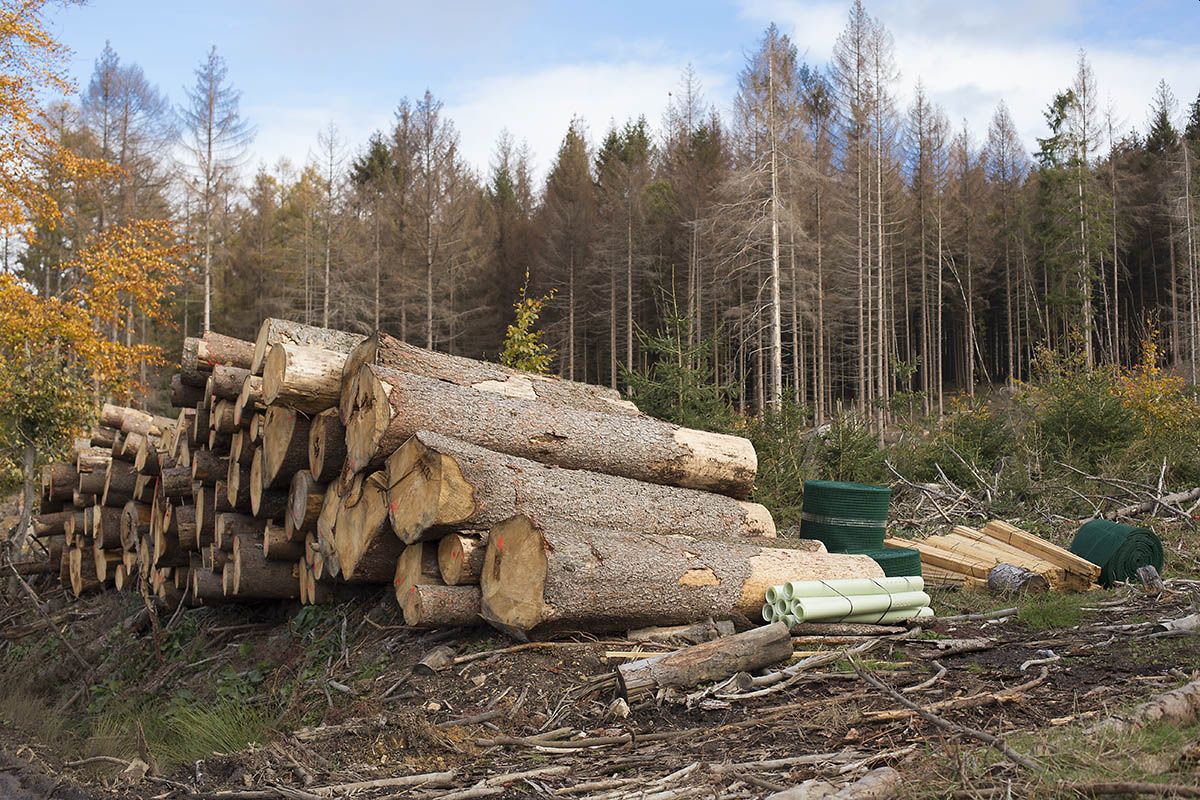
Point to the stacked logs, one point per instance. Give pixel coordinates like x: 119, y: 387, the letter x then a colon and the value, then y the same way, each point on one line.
x: 313, y: 463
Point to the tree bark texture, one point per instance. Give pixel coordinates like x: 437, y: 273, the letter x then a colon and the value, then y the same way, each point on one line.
x: 555, y: 574
x: 391, y: 406
x: 275, y: 331
x: 438, y: 484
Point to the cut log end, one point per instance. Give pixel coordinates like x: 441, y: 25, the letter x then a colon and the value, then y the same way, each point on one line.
x: 515, y: 564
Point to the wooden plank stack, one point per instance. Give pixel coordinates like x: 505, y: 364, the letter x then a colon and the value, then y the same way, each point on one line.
x: 966, y: 556
x: 314, y: 463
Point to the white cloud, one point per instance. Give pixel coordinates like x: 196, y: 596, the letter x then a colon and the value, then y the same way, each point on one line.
x: 972, y: 55
x: 537, y: 107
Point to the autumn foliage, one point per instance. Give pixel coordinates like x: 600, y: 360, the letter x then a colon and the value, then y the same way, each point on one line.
x: 60, y: 355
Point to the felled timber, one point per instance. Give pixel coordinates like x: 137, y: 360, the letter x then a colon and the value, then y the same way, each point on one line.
x: 308, y: 379
x: 460, y: 558
x: 557, y: 574
x: 433, y: 606
x: 276, y: 331
x: 326, y: 446
x: 362, y: 537
x: 391, y: 406
x: 437, y: 484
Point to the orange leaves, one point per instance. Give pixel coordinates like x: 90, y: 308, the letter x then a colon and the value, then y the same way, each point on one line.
x: 32, y: 66
x: 129, y: 267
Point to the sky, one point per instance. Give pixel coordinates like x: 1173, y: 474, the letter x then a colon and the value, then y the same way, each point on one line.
x: 529, y: 66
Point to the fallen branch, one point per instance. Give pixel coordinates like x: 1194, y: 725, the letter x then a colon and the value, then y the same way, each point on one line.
x: 942, y: 722
x: 1132, y: 787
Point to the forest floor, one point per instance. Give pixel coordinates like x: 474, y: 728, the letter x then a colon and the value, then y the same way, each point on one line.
x: 271, y: 701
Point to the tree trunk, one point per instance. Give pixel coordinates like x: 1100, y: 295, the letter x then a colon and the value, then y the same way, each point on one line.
x: 237, y: 484
x: 708, y: 661
x: 417, y: 565
x: 226, y: 382
x: 175, y: 482
x: 326, y: 446
x: 460, y: 558
x: 249, y: 400
x: 135, y: 524
x: 285, y: 445
x: 216, y: 349
x: 265, y: 502
x: 437, y: 484
x: 431, y: 606
x: 231, y: 525
x: 275, y: 331
x: 306, y: 497
x: 256, y: 577
x: 362, y: 538
x: 392, y: 406
x: 554, y: 575
x: 387, y: 351
x: 119, y: 483
x: 305, y: 378
x: 183, y: 395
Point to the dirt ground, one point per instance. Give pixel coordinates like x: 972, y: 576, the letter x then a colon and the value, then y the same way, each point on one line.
x: 315, y: 702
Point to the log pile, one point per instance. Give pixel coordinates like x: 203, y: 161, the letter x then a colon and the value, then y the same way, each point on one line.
x: 967, y: 557
x: 313, y: 464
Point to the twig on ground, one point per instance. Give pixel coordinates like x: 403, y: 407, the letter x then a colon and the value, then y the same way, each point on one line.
x: 943, y: 723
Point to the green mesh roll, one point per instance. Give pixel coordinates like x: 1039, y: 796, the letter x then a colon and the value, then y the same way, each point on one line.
x: 897, y: 561
x: 1117, y: 549
x: 846, y: 517
x: 844, y: 538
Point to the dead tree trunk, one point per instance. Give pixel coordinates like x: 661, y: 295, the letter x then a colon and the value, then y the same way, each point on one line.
x: 391, y: 406
x: 553, y: 575
x: 437, y: 484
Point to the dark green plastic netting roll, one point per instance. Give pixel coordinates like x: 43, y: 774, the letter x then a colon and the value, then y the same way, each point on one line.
x: 1117, y: 549
x: 897, y: 562
x: 846, y: 517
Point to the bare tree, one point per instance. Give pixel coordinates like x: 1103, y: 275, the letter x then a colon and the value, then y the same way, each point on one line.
x: 217, y: 138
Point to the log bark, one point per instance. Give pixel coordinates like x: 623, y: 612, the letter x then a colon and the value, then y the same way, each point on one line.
x: 249, y: 401
x: 73, y: 527
x: 265, y: 503
x: 285, y: 445
x: 308, y: 379
x: 187, y: 528
x: 198, y: 434
x: 59, y: 481
x: 106, y: 526
x: 255, y: 576
x: 168, y: 551
x: 176, y: 482
x: 206, y: 587
x: 275, y: 331
x: 130, y: 444
x: 92, y: 465
x: 556, y: 574
x: 227, y: 382
x: 128, y: 420
x: 709, y: 661
x: 432, y: 606
x: 460, y: 558
x: 277, y: 546
x: 210, y: 501
x: 387, y: 351
x: 237, y: 485
x: 183, y: 395
x: 119, y: 483
x: 416, y: 566
x: 362, y: 538
x: 391, y: 406
x: 306, y: 497
x: 230, y: 525
x: 241, y: 449
x: 438, y: 484
x: 149, y: 461
x: 52, y: 524
x: 326, y: 446
x: 103, y: 436
x: 1010, y: 579
x: 208, y: 468
x: 106, y: 562
x: 221, y: 419
x: 216, y: 348
x: 82, y: 569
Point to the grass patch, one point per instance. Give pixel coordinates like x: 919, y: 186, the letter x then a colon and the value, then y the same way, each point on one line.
x: 1053, y: 610
x: 952, y: 602
x: 181, y: 732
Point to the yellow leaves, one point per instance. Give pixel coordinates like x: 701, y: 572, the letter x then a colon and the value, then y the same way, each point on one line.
x: 1162, y: 400
x: 32, y: 66
x: 130, y: 266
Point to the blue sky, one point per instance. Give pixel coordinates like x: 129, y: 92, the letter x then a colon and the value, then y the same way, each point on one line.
x: 530, y: 66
